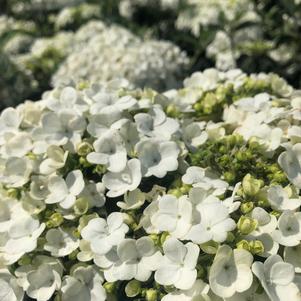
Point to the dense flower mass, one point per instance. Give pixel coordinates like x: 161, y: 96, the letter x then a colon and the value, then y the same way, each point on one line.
x: 115, y: 193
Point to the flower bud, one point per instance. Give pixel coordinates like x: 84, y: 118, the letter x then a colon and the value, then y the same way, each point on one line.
x: 246, y: 225
x: 110, y: 287
x: 84, y: 148
x: 133, y: 288
x: 24, y: 260
x: 151, y: 295
x: 81, y: 206
x: 163, y: 237
x: 250, y: 185
x: 246, y: 207
x: 55, y: 220
x: 256, y: 247
x: 13, y: 193
x: 243, y: 244
x: 229, y: 176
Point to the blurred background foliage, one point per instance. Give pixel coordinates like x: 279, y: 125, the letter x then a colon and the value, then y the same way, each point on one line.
x: 254, y: 35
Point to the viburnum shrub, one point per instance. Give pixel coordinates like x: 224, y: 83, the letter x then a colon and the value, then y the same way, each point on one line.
x: 110, y: 193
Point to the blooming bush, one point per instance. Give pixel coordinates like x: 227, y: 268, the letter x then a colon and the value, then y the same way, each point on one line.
x: 113, y: 193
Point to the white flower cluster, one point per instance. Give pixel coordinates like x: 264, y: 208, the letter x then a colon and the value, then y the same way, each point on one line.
x: 115, y: 52
x: 109, y: 192
x: 43, y: 5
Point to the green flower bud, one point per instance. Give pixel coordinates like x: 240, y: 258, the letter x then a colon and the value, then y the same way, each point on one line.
x: 133, y: 288
x: 185, y: 188
x: 163, y: 237
x: 84, y: 162
x: 250, y: 185
x: 73, y: 255
x: 13, y: 193
x: 246, y: 225
x: 151, y: 295
x: 256, y: 247
x: 275, y: 213
x: 229, y: 176
x: 31, y: 156
x: 76, y: 233
x: 100, y: 169
x: 230, y: 237
x: 81, y: 206
x: 246, y: 207
x: 55, y: 220
x: 209, y: 247
x: 243, y: 244
x: 82, y: 85
x: 172, y: 111
x: 155, y: 238
x: 130, y: 221
x: 169, y: 288
x: 84, y: 148
x: 110, y: 287
x: 176, y: 192
x: 198, y: 106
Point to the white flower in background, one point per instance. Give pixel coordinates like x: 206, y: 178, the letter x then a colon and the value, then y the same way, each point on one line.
x: 279, y: 199
x: 85, y: 254
x: 145, y: 220
x: 58, y: 129
x: 127, y: 180
x: 277, y: 279
x: 231, y: 272
x: 9, y: 289
x: 60, y: 242
x: 137, y: 260
x: 84, y: 283
x: 173, y: 215
x: 38, y: 188
x: 198, y: 292
x: 289, y: 225
x: 200, y: 177
x: 292, y: 255
x: 63, y: 191
x: 178, y: 267
x: 290, y: 162
x: 104, y: 234
x: 16, y: 171
x: 109, y: 151
x: 157, y: 157
x: 67, y: 99
x: 56, y: 159
x: 296, y: 108
x: 213, y: 223
x: 132, y: 200
x: 156, y: 124
x: 254, y: 104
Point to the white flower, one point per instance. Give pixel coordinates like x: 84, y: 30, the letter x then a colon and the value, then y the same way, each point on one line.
x: 63, y: 191
x: 231, y: 272
x: 252, y: 294
x: 104, y: 234
x: 157, y: 157
x: 198, y: 292
x: 9, y: 289
x: 19, y: 233
x: 279, y: 199
x: 173, y: 215
x: 43, y: 282
x: 10, y: 121
x: 156, y: 124
x: 277, y: 279
x: 213, y: 223
x: 292, y: 255
x: 94, y: 193
x: 56, y: 159
x: 289, y: 225
x: 16, y: 145
x: 58, y: 129
x: 132, y: 200
x: 137, y: 259
x: 291, y: 164
x: 127, y: 180
x: 200, y: 177
x: 16, y: 171
x: 60, y: 242
x: 109, y: 151
x: 178, y: 265
x: 85, y: 283
x: 194, y: 135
